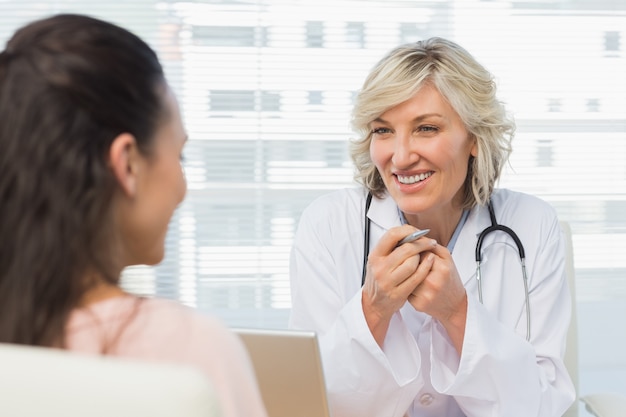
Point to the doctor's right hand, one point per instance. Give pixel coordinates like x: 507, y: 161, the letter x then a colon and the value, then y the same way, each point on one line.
x: 391, y: 275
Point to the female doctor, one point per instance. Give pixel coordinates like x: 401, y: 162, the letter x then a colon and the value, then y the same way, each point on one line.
x: 425, y: 335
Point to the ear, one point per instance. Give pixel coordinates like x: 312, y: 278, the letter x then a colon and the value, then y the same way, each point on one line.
x: 124, y: 161
x: 474, y: 148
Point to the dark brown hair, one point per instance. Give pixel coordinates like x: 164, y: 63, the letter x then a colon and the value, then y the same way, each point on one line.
x: 69, y: 85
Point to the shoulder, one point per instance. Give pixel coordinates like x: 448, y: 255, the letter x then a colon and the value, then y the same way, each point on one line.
x: 514, y: 205
x: 150, y: 327
x: 190, y: 337
x: 534, y: 220
x: 182, y: 330
x: 343, y: 199
x: 339, y: 208
x: 167, y: 330
x: 199, y: 327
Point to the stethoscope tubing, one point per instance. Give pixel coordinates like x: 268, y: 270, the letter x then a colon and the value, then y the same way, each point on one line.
x: 478, y: 254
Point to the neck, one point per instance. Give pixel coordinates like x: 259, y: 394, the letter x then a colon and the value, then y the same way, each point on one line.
x: 100, y: 292
x: 442, y: 222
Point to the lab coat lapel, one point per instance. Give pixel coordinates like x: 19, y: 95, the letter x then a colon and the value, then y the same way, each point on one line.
x: 384, y: 213
x: 465, y: 247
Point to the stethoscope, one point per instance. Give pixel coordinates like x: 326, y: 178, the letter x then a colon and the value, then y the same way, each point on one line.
x: 479, y: 245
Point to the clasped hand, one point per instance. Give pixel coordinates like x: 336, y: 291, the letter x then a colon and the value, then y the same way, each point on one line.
x: 421, y: 272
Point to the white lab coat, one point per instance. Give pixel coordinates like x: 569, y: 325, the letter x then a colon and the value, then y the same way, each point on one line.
x: 419, y: 372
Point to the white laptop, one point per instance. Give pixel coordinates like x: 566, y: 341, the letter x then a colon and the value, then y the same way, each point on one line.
x: 289, y: 371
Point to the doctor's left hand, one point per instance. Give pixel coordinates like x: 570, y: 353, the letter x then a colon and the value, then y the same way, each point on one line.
x: 441, y: 294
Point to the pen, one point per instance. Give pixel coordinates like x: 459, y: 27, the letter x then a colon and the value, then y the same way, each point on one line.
x: 413, y: 236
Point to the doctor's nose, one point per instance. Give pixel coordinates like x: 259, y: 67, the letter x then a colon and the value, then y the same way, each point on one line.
x: 405, y: 152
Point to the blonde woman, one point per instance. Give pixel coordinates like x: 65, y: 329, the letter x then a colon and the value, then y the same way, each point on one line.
x: 410, y: 329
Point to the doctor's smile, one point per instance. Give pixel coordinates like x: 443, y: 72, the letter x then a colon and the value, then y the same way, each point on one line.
x: 412, y: 179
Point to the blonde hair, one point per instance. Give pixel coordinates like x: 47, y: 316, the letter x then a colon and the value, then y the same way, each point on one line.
x: 463, y: 82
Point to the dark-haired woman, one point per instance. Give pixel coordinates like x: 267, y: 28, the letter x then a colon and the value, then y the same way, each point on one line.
x: 90, y: 175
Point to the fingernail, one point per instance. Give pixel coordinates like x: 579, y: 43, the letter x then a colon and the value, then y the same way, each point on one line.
x: 433, y: 242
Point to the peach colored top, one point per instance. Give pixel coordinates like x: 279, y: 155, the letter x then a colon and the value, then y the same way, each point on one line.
x: 165, y: 331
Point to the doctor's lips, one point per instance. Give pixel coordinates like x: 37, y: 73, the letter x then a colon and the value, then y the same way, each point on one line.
x: 412, y: 179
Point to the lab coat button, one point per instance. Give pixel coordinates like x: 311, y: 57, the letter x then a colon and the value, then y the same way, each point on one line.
x: 426, y: 400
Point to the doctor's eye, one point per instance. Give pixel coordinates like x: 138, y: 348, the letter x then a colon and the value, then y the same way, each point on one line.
x: 380, y: 131
x: 428, y: 128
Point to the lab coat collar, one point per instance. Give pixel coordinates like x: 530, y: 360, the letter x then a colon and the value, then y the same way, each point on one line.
x: 464, y: 254
x: 384, y: 212
x: 478, y: 219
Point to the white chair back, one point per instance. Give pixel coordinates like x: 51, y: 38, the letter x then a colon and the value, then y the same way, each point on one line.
x: 37, y: 382
x: 571, y: 352
x: 601, y: 404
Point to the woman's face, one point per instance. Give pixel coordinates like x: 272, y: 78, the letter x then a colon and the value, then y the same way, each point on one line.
x: 421, y: 149
x: 160, y: 188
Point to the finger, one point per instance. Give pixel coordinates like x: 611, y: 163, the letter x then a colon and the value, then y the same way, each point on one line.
x: 390, y: 239
x: 439, y: 250
x: 413, y: 236
x: 418, y: 246
x: 413, y: 282
x: 407, y: 266
x: 422, y: 272
x: 392, y: 270
x: 410, y: 251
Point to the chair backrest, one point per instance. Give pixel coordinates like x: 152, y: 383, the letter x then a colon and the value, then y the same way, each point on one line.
x: 51, y: 382
x: 571, y: 352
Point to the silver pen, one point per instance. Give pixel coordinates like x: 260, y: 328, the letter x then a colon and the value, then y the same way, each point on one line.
x: 413, y: 236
